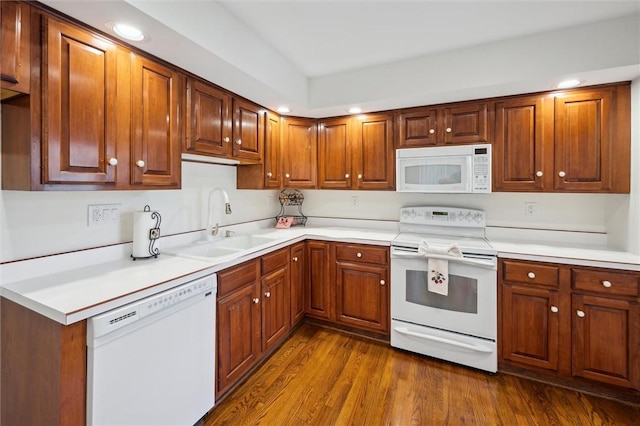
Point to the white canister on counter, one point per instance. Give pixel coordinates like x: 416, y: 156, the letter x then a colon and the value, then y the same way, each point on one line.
x: 146, y: 233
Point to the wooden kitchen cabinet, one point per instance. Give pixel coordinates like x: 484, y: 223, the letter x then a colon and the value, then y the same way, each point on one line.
x: 572, y: 323
x: 335, y: 166
x: 361, y: 286
x: 276, y: 292
x: 318, y: 287
x: 268, y: 174
x: 239, y: 323
x: 248, y: 130
x: 451, y: 124
x: 298, y: 282
x: 15, y: 63
x: 300, y: 152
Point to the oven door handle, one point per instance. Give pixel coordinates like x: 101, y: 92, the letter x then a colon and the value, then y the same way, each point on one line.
x: 477, y: 348
x: 491, y: 264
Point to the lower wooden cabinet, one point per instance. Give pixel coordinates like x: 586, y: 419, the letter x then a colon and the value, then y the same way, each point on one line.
x: 318, y: 285
x: 570, y: 322
x: 276, y: 305
x: 298, y: 280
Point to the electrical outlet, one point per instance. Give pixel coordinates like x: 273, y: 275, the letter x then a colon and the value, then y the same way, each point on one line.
x: 530, y: 208
x: 103, y: 214
x: 354, y: 200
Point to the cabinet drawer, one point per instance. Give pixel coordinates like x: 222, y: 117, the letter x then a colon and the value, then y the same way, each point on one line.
x: 237, y: 277
x: 530, y: 273
x: 275, y: 260
x: 362, y: 253
x: 605, y: 281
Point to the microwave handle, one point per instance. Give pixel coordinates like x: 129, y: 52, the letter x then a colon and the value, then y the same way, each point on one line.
x: 491, y: 264
x: 477, y: 348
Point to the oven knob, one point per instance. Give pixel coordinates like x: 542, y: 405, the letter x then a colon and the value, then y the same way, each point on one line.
x: 460, y: 216
x: 468, y: 217
x: 405, y: 213
x: 477, y: 217
x: 412, y: 213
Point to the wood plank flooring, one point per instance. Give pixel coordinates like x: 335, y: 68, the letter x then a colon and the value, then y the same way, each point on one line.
x: 323, y: 377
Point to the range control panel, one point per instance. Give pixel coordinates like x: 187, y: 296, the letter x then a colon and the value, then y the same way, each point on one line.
x: 443, y: 216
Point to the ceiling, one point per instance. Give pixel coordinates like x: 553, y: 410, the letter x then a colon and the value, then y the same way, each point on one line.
x: 319, y: 57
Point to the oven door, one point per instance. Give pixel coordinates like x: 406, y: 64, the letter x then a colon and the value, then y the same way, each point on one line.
x: 470, y: 306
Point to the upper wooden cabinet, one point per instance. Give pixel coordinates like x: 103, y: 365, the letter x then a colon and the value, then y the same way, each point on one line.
x: 248, y: 130
x: 570, y: 141
x: 464, y: 123
x: 299, y: 156
x: 15, y: 65
x: 334, y: 153
x: 267, y: 174
x: 208, y: 119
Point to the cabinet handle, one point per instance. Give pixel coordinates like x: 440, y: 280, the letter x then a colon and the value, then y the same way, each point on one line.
x: 554, y: 309
x: 267, y: 294
x: 382, y: 282
x: 256, y: 300
x: 269, y: 174
x: 360, y: 176
x: 358, y: 254
x: 113, y: 161
x: 539, y: 173
x: 287, y: 175
x: 226, y: 139
x: 346, y: 175
x: 140, y: 163
x: 580, y: 313
x: 295, y: 258
x: 562, y: 174
x: 432, y: 131
x: 448, y: 129
x: 239, y: 141
x: 606, y: 284
x: 531, y: 275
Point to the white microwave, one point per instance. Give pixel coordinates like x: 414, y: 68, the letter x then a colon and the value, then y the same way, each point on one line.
x: 459, y: 169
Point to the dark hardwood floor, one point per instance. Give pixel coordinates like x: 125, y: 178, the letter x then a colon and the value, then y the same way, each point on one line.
x: 323, y: 377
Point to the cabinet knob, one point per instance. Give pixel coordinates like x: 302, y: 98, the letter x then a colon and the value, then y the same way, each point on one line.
x: 382, y: 282
x: 269, y: 174
x: 239, y: 141
x: 448, y: 129
x: 140, y: 163
x: 358, y: 254
x: 580, y: 313
x: 606, y: 284
x: 432, y: 131
x: 267, y: 294
x: 562, y: 174
x: 295, y: 258
x: 113, y: 161
x: 286, y: 175
x: 531, y: 275
x: 226, y: 139
x: 539, y: 173
x: 256, y: 300
x: 360, y: 176
x: 346, y: 176
x: 554, y: 309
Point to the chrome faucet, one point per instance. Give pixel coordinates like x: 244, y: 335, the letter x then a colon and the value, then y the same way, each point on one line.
x: 212, y: 231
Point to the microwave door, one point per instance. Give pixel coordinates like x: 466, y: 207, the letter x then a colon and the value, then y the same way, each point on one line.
x: 448, y: 174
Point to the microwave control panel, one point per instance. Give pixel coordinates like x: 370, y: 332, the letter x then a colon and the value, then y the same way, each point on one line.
x: 482, y: 170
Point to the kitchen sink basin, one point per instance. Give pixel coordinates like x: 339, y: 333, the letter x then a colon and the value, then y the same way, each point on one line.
x: 244, y: 242
x: 221, y: 247
x: 203, y: 250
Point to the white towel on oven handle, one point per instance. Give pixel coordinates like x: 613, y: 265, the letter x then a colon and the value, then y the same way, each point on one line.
x: 438, y: 269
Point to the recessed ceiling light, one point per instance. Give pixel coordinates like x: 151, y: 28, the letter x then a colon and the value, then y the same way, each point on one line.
x: 128, y: 32
x: 283, y: 109
x: 355, y: 110
x: 567, y: 84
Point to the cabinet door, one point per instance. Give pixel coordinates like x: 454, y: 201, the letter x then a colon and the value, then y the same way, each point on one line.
x: 606, y: 340
x: 318, y: 290
x: 522, y: 152
x: 238, y: 333
x: 248, y: 130
x: 418, y: 128
x: 530, y: 326
x: 583, y: 143
x: 334, y: 154
x: 15, y: 65
x: 79, y: 92
x: 298, y: 280
x: 300, y: 153
x: 362, y: 296
x: 276, y: 307
x: 157, y: 106
x: 466, y: 124
x: 272, y: 153
x: 374, y: 156
x: 208, y: 120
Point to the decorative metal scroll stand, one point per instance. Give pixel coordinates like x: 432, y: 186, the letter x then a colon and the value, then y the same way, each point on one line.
x: 292, y: 197
x: 154, y: 234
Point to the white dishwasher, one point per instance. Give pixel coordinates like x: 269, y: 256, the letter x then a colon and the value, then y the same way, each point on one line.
x: 153, y: 362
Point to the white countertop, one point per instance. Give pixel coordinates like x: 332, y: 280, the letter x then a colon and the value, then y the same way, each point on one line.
x: 55, y: 287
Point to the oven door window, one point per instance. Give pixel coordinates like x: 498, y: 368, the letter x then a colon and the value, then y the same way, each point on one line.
x: 462, y: 297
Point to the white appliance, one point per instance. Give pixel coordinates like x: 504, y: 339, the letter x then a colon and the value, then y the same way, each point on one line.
x: 445, y: 169
x: 153, y: 362
x: 460, y: 327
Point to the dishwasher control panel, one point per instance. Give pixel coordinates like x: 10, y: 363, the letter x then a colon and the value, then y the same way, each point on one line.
x: 119, y: 317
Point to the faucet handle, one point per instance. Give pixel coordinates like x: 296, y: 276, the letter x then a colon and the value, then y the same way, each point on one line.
x: 228, y: 233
